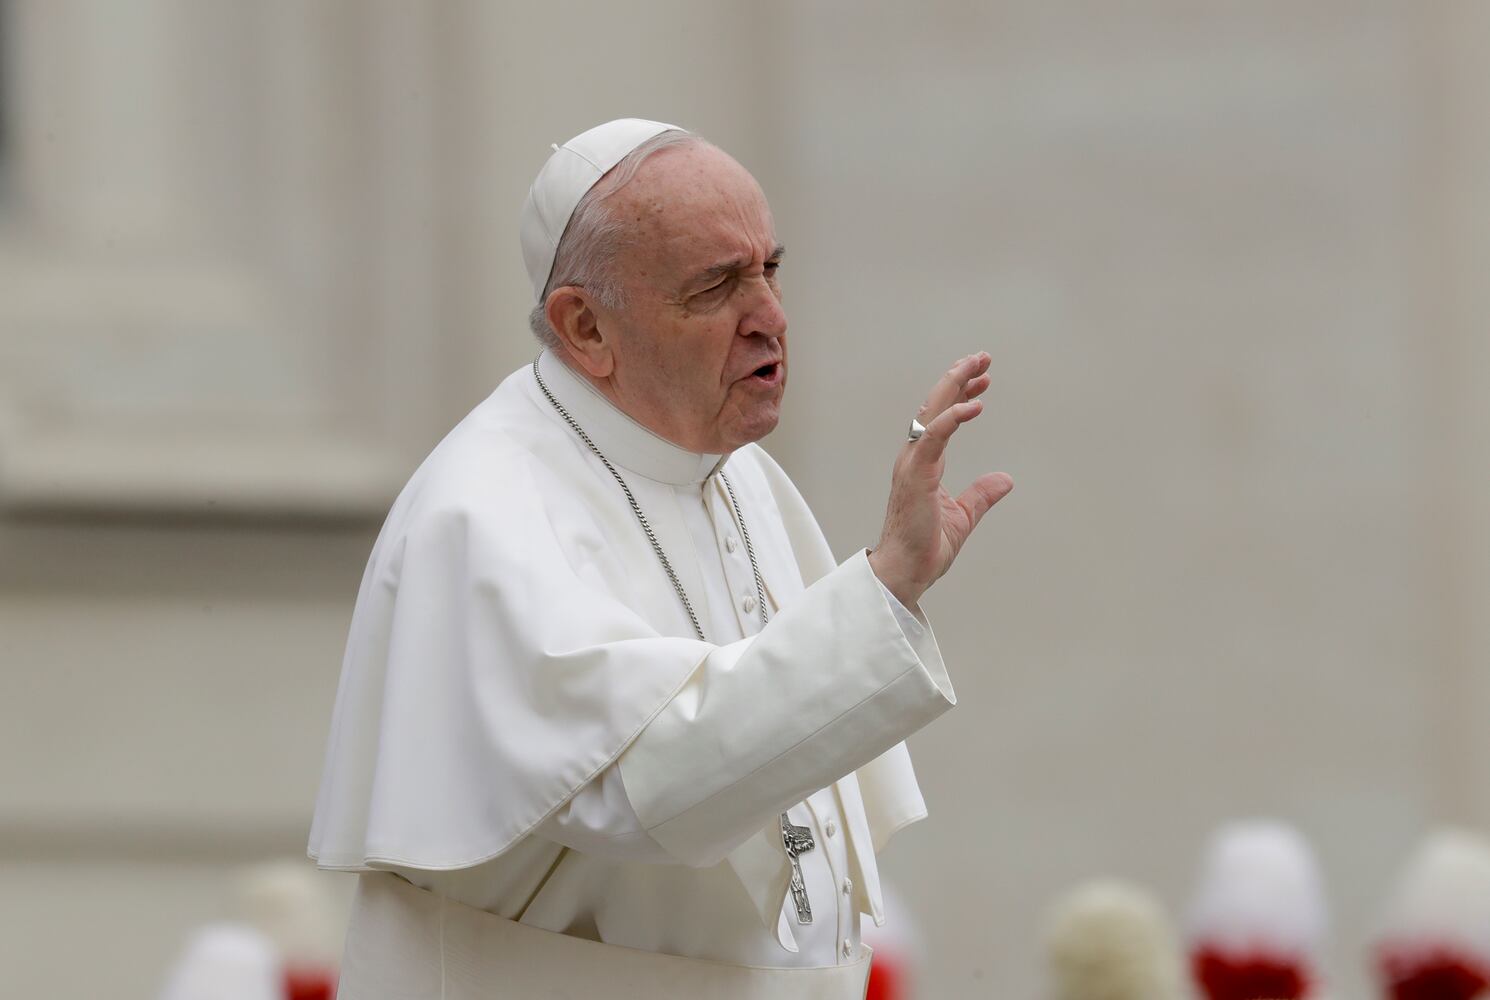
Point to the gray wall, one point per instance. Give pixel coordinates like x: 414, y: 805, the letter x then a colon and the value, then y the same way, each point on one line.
x: 255, y: 258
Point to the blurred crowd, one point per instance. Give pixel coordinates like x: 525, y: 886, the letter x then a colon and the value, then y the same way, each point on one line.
x: 1257, y: 928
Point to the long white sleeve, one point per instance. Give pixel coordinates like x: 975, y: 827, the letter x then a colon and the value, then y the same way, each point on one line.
x: 602, y: 819
x: 737, y: 746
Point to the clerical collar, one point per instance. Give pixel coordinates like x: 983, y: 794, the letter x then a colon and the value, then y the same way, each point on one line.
x: 622, y: 440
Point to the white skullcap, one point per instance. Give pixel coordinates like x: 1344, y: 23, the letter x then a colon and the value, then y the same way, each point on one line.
x: 571, y: 171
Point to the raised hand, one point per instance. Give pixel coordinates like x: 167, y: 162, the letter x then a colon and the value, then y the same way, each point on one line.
x: 925, y: 526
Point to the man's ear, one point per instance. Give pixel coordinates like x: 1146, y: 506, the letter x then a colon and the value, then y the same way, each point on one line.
x: 572, y: 315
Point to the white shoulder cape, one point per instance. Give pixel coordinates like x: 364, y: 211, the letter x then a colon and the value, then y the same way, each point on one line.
x: 513, y: 634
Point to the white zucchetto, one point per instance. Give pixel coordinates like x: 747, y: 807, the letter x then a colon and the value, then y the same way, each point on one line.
x: 570, y: 172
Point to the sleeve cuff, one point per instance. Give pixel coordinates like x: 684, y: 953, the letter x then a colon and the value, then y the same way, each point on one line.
x: 917, y: 632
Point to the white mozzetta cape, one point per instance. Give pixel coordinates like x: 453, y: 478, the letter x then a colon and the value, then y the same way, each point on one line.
x: 515, y: 632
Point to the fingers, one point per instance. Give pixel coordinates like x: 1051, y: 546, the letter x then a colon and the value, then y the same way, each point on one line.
x: 976, y: 386
x: 983, y: 493
x: 956, y: 386
x: 934, y: 442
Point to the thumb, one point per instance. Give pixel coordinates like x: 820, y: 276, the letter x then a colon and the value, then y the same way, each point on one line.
x: 985, y: 491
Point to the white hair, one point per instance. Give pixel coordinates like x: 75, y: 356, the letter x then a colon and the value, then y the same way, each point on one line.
x: 593, y: 239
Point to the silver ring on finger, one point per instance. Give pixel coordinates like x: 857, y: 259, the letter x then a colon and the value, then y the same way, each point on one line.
x: 917, y: 429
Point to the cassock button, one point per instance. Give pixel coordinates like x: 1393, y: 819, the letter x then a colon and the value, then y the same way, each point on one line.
x: 731, y: 543
x: 848, y: 886
x: 831, y: 828
x: 848, y: 947
x: 748, y: 604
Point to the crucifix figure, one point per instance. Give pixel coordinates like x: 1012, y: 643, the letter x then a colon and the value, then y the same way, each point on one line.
x: 798, y: 841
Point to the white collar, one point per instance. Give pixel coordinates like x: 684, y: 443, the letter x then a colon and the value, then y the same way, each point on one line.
x: 622, y: 440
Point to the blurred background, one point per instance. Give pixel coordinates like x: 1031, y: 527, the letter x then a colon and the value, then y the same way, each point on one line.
x: 255, y: 259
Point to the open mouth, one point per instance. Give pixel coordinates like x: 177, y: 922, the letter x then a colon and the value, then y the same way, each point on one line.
x: 767, y: 373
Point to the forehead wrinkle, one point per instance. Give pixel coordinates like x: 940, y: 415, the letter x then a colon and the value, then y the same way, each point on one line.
x: 731, y: 236
x: 739, y: 263
x: 694, y: 206
x: 715, y: 246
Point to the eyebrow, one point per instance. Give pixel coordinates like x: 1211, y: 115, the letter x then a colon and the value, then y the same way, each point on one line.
x: 730, y: 266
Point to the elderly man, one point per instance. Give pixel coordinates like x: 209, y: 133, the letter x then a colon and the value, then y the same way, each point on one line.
x: 612, y: 720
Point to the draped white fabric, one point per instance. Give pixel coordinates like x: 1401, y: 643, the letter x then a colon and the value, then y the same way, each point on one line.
x: 391, y: 955
x: 516, y: 637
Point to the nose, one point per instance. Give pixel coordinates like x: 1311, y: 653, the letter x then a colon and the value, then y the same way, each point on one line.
x: 765, y: 316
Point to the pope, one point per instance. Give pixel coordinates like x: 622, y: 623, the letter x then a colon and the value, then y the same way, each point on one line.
x: 612, y: 720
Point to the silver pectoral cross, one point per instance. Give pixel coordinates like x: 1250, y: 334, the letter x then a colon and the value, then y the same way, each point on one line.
x: 798, y: 841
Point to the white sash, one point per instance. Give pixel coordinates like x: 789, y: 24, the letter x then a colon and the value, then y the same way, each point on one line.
x: 405, y: 943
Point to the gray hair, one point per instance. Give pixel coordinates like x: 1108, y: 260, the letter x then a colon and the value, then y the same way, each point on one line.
x: 593, y: 239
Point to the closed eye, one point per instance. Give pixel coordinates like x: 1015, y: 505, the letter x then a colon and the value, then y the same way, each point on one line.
x: 716, y: 290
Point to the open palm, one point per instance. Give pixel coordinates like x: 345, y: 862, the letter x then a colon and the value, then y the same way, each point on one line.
x: 925, y: 526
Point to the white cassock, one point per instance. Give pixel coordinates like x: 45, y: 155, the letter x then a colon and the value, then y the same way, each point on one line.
x: 530, y: 736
